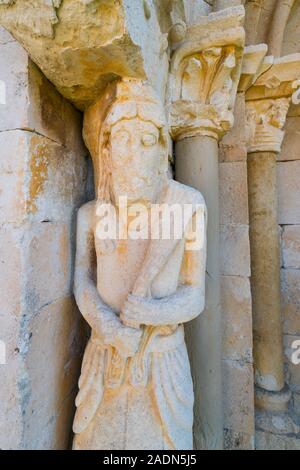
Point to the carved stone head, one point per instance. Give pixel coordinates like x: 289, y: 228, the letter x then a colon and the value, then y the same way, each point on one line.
x: 126, y: 133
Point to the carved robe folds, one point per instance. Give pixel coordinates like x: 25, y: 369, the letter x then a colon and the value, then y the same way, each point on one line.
x: 135, y: 387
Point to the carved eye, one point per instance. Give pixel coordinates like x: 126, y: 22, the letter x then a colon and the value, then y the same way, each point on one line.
x: 149, y: 139
x: 122, y: 137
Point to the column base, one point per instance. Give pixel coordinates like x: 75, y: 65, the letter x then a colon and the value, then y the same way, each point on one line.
x: 272, y: 401
x: 272, y: 412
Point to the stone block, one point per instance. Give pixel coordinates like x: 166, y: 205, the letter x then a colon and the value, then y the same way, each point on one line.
x: 269, y: 441
x: 40, y: 179
x: 291, y: 143
x: 290, y: 246
x: 93, y: 43
x: 238, y: 395
x: 51, y: 115
x: 232, y: 147
x: 233, y: 193
x: 235, y: 250
x: 296, y: 403
x: 55, y: 336
x: 13, y: 157
x: 14, y: 74
x: 237, y: 318
x: 290, y: 300
x: 56, y: 180
x: 48, y: 261
x: 234, y: 440
x: 11, y: 426
x: 289, y: 192
x: 11, y: 275
x: 5, y: 37
x: 10, y: 373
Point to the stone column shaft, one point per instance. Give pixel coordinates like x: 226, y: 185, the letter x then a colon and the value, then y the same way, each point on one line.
x: 205, y: 70
x: 265, y: 269
x: 267, y: 103
x: 197, y: 166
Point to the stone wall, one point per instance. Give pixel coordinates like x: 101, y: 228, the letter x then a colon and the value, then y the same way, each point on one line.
x: 289, y: 220
x: 43, y: 173
x: 237, y: 365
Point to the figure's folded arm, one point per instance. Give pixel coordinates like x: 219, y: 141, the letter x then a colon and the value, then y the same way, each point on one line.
x: 185, y: 304
x: 98, y: 315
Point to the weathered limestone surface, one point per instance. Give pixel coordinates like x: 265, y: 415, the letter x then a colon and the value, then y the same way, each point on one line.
x: 233, y: 193
x: 291, y: 34
x: 266, y: 22
x: 266, y: 440
x: 55, y: 334
x: 235, y: 253
x: 198, y: 171
x: 235, y: 288
x: 232, y: 147
x: 237, y: 324
x: 290, y: 246
x: 291, y: 143
x: 288, y: 174
x: 265, y: 266
x: 239, y: 393
x: 90, y: 43
x: 290, y: 291
x: 43, y: 174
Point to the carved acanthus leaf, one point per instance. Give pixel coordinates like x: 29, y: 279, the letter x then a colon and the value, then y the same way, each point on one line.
x: 205, y: 71
x: 265, y: 122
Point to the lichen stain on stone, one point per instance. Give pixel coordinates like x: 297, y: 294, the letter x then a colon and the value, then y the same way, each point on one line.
x: 39, y: 171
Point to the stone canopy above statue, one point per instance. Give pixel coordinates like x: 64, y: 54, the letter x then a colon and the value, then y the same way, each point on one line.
x: 81, y: 45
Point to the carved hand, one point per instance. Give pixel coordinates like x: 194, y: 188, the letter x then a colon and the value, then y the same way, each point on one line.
x: 182, y: 306
x: 137, y: 310
x: 125, y: 339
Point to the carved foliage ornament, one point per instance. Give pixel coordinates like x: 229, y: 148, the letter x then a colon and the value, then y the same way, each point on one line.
x: 205, y: 104
x: 205, y: 72
x: 265, y: 122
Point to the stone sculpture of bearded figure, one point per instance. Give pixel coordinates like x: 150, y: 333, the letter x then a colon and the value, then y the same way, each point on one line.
x: 135, y: 388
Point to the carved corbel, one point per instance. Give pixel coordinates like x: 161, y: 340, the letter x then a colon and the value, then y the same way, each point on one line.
x: 268, y: 101
x: 253, y: 65
x: 204, y: 76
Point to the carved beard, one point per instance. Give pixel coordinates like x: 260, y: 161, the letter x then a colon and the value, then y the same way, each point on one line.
x: 109, y: 245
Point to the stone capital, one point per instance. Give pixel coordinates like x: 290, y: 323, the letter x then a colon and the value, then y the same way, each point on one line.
x: 268, y: 100
x: 204, y: 75
x: 265, y: 121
